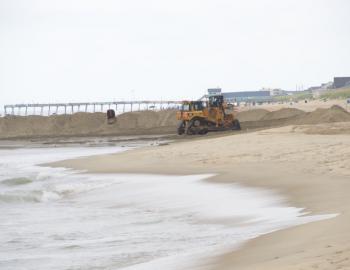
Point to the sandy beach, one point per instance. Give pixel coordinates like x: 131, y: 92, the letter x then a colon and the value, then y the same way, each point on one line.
x: 310, y: 170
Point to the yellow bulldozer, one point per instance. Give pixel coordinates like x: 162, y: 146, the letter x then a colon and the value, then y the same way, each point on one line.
x: 201, y: 117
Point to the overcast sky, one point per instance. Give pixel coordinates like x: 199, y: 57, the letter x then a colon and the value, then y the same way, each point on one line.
x: 84, y: 50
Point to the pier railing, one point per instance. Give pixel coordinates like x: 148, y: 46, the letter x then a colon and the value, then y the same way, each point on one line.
x: 70, y: 108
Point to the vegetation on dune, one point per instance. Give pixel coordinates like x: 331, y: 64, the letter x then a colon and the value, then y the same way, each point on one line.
x: 342, y: 93
x: 295, y: 97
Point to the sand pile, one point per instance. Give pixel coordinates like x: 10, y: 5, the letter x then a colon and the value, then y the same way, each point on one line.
x: 261, y: 118
x: 319, y: 116
x: 292, y: 116
x: 262, y: 114
x: 252, y: 115
x: 146, y: 119
x: 283, y: 113
x: 85, y: 124
x: 146, y: 122
x: 79, y: 123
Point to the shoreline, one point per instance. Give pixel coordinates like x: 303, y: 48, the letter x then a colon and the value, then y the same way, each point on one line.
x: 310, y: 175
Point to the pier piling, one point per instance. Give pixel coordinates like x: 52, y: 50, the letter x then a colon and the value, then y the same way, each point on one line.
x: 54, y: 108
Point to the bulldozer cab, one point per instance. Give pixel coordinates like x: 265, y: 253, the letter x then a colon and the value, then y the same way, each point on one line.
x: 192, y: 106
x: 216, y: 101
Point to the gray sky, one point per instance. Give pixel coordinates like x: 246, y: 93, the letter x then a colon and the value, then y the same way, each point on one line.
x: 83, y: 50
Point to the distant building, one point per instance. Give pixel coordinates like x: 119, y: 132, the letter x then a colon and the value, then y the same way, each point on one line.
x: 317, y: 91
x: 277, y: 92
x: 313, y: 88
x: 328, y: 85
x: 341, y: 82
x: 248, y: 96
x: 244, y: 96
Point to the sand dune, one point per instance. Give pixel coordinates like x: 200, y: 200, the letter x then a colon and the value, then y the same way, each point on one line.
x: 150, y: 122
x: 87, y: 124
x: 291, y: 116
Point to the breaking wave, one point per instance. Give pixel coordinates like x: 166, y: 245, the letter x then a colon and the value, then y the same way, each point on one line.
x: 34, y: 196
x: 16, y: 181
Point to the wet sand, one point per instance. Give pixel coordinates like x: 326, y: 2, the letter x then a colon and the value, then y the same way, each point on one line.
x: 311, y: 170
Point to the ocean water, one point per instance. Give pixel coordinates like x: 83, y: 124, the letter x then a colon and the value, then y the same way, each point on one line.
x: 56, y: 218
